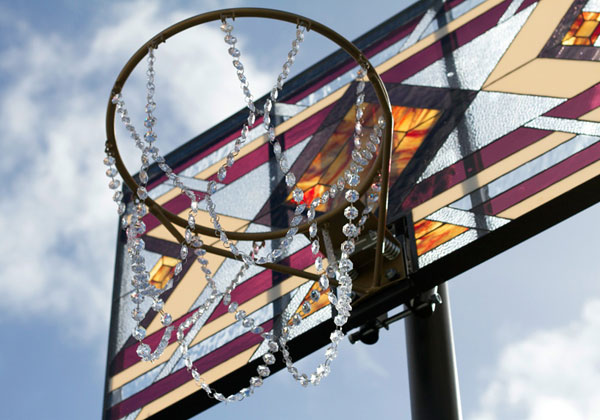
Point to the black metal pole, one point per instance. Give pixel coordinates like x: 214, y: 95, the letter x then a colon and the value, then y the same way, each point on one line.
x: 434, y: 392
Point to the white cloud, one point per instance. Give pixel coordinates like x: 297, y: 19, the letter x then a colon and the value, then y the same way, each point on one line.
x: 365, y: 361
x: 552, y: 374
x: 57, y: 217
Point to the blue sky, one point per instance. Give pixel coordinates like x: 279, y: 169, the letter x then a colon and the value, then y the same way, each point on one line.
x: 526, y: 323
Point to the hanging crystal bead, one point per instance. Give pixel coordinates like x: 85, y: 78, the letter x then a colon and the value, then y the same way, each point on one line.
x: 157, y: 305
x: 269, y: 359
x: 315, y: 295
x: 306, y: 307
x: 319, y: 264
x: 298, y: 195
x: 137, y: 314
x: 345, y: 265
x: 351, y: 212
x: 336, y: 336
x: 350, y: 230
x: 276, y: 254
x: 178, y: 269
x: 256, y: 381
x: 166, y: 319
x: 290, y: 179
x: 222, y: 173
x: 332, y: 298
x: 139, y: 333
x: 371, y: 147
x: 142, y: 193
x: 315, y: 247
x: 233, y: 306
x: 323, y: 282
x: 248, y: 322
x: 143, y: 351
x: 283, y: 164
x: 183, y: 253
x: 340, y: 320
x: 226, y: 27
x: 352, y: 196
x: 312, y: 231
x: 357, y: 157
x: 333, y: 191
x: 374, y: 139
x: 118, y: 196
x: 114, y: 184
x: 360, y: 99
x: 347, y: 247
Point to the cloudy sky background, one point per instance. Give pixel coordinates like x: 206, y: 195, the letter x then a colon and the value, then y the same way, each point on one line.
x: 526, y: 324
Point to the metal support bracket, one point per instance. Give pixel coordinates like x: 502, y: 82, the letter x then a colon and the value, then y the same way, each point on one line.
x: 369, y: 332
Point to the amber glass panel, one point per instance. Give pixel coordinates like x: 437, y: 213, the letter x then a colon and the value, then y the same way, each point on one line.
x: 315, y: 306
x: 162, y: 272
x: 584, y: 31
x: 406, y: 119
x: 312, y: 193
x: 438, y: 236
x: 425, y: 226
x: 411, y: 127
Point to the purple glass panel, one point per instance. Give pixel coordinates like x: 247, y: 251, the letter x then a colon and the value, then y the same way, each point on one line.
x: 452, y: 175
x: 182, y: 376
x: 540, y: 181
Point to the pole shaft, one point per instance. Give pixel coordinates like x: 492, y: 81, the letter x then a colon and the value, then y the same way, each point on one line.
x: 433, y: 379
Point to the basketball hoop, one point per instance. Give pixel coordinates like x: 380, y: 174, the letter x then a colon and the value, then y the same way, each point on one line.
x: 191, y: 240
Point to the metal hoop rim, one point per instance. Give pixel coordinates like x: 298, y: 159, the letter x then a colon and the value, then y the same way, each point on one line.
x: 168, y: 218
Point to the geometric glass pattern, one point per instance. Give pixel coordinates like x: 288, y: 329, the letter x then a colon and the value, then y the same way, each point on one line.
x: 488, y: 150
x: 584, y: 31
x: 162, y: 272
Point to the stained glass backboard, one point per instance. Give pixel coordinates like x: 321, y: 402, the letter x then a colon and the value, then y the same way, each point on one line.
x: 496, y: 129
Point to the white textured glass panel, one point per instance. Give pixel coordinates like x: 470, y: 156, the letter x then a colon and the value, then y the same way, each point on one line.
x: 490, y: 116
x: 227, y: 335
x: 247, y: 195
x: 469, y: 66
x: 592, y: 6
x: 467, y: 219
x: 199, y: 350
x: 421, y: 27
x: 297, y: 298
x: 528, y: 170
x: 566, y: 125
x: 309, y: 322
x: 133, y: 415
x: 447, y: 247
